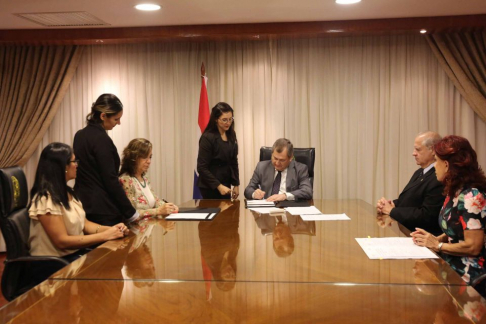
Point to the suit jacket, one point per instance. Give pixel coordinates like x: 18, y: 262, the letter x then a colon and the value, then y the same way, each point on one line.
x: 297, y: 183
x: 420, y: 203
x: 217, y: 164
x: 97, y: 184
x: 134, y: 192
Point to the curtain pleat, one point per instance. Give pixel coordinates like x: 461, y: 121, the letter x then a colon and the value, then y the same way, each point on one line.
x: 360, y: 101
x: 33, y: 82
x: 463, y: 58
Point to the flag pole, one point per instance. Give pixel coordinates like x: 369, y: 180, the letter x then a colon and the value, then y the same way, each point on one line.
x: 202, y: 121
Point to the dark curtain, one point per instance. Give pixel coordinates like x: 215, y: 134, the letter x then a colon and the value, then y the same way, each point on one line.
x: 33, y: 81
x: 463, y: 57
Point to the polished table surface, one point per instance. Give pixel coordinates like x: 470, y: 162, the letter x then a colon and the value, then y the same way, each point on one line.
x: 226, y: 270
x: 108, y: 301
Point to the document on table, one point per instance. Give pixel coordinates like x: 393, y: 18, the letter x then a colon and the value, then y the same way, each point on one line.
x: 394, y: 248
x: 196, y: 214
x: 324, y: 217
x: 266, y: 210
x: 191, y: 216
x: 259, y: 203
x: 311, y: 210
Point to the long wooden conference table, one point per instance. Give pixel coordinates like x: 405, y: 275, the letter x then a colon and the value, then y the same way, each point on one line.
x: 227, y: 271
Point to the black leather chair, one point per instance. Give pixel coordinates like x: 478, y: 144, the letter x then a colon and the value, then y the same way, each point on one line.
x: 18, y: 274
x: 306, y: 156
x: 480, y: 284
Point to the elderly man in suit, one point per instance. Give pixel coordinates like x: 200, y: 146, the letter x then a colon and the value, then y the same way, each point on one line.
x: 420, y: 202
x: 281, y: 178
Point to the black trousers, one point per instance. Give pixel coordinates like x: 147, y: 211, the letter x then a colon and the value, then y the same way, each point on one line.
x: 106, y: 220
x: 212, y: 194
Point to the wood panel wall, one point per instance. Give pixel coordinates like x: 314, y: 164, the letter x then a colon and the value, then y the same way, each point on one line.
x: 87, y: 36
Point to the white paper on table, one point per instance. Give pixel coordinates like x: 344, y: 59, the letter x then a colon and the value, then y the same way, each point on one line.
x: 324, y: 217
x: 311, y: 210
x: 394, y: 248
x: 260, y: 203
x: 266, y: 210
x: 190, y: 216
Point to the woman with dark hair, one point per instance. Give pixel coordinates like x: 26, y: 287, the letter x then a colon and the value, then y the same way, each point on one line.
x: 58, y: 224
x: 462, y: 218
x: 217, y: 160
x: 136, y: 160
x: 97, y: 184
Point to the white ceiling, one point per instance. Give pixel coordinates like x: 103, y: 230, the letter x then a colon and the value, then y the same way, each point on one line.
x: 120, y: 13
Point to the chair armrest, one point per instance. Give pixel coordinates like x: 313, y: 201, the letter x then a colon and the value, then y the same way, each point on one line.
x: 476, y: 281
x: 38, y: 259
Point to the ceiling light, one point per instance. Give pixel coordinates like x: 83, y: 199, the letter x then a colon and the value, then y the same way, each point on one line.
x: 147, y: 7
x: 347, y: 1
x: 423, y: 31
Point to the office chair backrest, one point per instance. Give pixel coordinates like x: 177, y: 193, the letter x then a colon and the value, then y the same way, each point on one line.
x: 21, y: 270
x: 14, y: 218
x: 306, y: 156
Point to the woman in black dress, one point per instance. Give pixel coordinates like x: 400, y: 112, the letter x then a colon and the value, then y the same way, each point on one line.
x: 217, y: 160
x: 97, y: 185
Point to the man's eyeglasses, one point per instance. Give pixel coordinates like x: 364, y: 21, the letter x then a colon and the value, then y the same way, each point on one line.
x: 74, y: 161
x: 227, y: 120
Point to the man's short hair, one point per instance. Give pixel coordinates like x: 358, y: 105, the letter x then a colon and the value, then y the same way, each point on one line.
x: 430, y: 139
x: 281, y: 144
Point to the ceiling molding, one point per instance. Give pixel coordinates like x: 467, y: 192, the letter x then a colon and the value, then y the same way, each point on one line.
x: 90, y: 36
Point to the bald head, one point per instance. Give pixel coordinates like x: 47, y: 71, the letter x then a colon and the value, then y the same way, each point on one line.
x: 423, y: 148
x: 429, y: 139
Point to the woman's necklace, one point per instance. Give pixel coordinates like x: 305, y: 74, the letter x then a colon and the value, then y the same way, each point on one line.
x: 144, y: 183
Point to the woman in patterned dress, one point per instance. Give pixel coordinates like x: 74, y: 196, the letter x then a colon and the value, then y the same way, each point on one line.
x: 136, y: 160
x: 463, y: 214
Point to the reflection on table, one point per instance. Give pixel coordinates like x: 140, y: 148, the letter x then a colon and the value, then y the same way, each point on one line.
x: 329, y: 254
x: 87, y: 301
x: 227, y: 270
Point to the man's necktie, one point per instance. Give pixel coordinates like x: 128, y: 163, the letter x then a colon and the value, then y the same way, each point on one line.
x: 421, y: 174
x: 276, y: 183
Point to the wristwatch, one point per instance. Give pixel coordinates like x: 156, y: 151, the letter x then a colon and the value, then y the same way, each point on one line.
x: 440, y: 246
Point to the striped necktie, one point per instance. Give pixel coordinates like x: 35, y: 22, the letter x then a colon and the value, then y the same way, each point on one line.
x: 276, y: 183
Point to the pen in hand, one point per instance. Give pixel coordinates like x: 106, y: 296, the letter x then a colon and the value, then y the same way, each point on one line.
x: 173, y: 211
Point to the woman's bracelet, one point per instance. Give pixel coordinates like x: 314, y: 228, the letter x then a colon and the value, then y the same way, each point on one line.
x: 97, y: 228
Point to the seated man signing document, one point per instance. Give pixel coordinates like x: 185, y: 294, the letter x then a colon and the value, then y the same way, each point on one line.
x: 281, y: 178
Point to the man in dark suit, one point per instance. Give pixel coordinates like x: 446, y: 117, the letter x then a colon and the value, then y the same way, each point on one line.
x: 420, y: 202
x: 281, y: 178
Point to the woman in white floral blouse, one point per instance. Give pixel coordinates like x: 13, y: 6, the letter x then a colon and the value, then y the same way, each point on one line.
x: 136, y: 160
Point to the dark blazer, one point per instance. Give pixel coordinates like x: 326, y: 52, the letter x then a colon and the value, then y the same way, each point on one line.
x: 217, y: 162
x: 97, y: 184
x: 297, y: 182
x: 420, y: 203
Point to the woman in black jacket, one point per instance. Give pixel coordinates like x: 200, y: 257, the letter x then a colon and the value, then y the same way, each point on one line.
x: 97, y: 185
x: 217, y: 160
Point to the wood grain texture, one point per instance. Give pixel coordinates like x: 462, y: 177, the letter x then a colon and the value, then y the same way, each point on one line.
x: 91, y: 36
x: 185, y: 302
x: 226, y: 271
x: 330, y: 255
